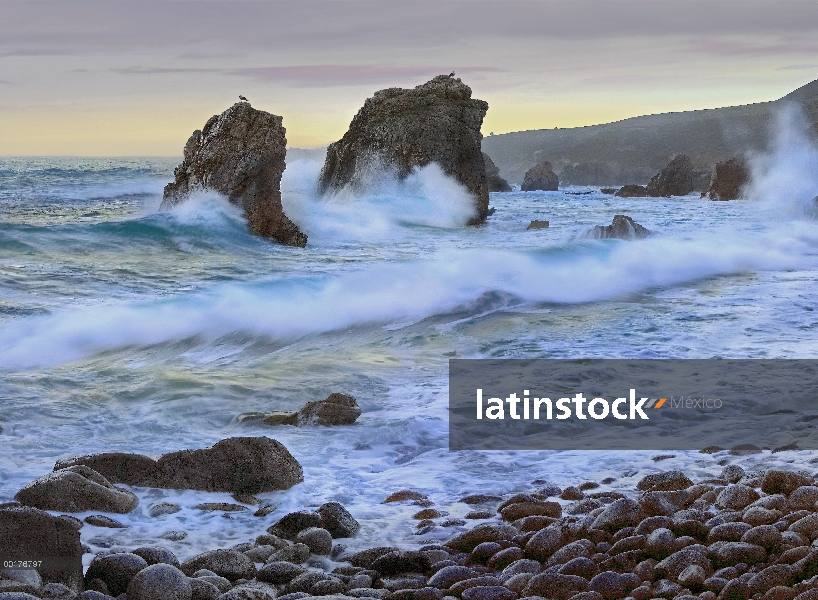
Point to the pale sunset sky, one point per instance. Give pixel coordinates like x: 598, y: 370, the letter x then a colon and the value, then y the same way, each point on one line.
x: 124, y: 77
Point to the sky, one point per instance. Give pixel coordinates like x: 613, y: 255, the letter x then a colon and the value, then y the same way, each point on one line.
x: 135, y: 78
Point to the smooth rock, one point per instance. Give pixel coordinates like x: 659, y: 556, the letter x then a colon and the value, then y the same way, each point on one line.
x: 159, y: 582
x: 632, y: 191
x: 76, y: 489
x: 115, y: 570
x: 155, y: 555
x: 116, y: 467
x: 317, y: 539
x: 291, y: 524
x: 279, y: 572
x: 229, y: 564
x: 777, y: 481
x: 485, y: 532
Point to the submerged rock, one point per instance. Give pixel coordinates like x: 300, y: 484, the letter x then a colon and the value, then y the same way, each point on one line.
x: 676, y: 179
x: 239, y: 153
x: 494, y: 182
x: 622, y: 227
x: 537, y: 224
x: 335, y: 409
x: 437, y: 122
x: 729, y: 178
x: 76, y: 489
x: 540, y: 177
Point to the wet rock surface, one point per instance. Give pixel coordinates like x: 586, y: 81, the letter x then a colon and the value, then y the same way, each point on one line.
x: 436, y: 122
x: 239, y: 153
x: 622, y: 227
x: 676, y: 179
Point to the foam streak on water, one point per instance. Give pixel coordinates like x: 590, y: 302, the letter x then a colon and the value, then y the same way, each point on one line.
x: 126, y: 329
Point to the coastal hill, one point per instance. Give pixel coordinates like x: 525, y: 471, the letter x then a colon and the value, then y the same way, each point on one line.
x: 638, y: 147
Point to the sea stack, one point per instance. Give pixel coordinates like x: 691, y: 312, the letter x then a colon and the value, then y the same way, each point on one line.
x: 437, y: 122
x: 541, y: 178
x: 239, y: 153
x: 493, y: 180
x: 729, y: 179
x: 676, y: 179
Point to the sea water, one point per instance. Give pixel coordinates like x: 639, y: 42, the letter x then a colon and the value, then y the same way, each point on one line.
x: 123, y: 328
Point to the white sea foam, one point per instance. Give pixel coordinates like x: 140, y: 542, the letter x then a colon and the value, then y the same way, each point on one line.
x: 379, y: 209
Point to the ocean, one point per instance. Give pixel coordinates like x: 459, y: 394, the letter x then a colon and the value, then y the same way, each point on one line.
x: 123, y: 328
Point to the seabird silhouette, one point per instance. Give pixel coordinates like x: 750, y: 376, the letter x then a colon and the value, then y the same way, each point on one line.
x: 243, y: 98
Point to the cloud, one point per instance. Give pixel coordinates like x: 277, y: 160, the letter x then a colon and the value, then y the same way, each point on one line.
x: 161, y: 70
x: 337, y: 75
x: 798, y: 68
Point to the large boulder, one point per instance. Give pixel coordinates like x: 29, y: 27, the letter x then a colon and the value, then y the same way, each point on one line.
x: 29, y: 533
x: 676, y: 179
x: 632, y: 191
x: 76, y: 489
x: 335, y: 409
x: 437, y: 122
x: 494, y: 182
x: 249, y: 465
x: 540, y: 177
x: 239, y: 153
x: 242, y: 464
x: 116, y: 467
x: 729, y: 179
x: 622, y: 227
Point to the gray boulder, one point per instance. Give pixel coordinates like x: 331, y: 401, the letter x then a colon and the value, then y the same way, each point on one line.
x: 337, y: 520
x: 248, y: 465
x: 632, y: 191
x: 116, y: 467
x: 317, y: 539
x: 239, y: 153
x: 437, y: 122
x: 154, y: 555
x: 76, y: 489
x: 676, y: 179
x: 229, y: 564
x: 115, y: 571
x: 160, y: 582
x: 28, y: 532
x: 540, y: 177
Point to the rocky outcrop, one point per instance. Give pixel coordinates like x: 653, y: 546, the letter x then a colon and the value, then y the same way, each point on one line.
x: 29, y: 534
x: 247, y: 465
x: 239, y: 153
x: 118, y: 467
x: 540, y: 177
x: 729, y: 178
x: 335, y: 409
x: 538, y: 224
x: 437, y: 122
x: 632, y: 191
x: 494, y: 182
x: 676, y: 179
x: 76, y: 489
x: 622, y: 227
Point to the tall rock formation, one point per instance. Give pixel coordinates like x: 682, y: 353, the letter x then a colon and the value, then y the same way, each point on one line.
x: 494, y: 182
x: 239, y: 153
x: 676, y: 179
x: 729, y: 177
x: 540, y: 177
x: 397, y: 128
